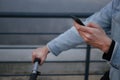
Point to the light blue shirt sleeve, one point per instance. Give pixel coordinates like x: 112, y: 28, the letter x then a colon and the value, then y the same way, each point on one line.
x: 65, y: 41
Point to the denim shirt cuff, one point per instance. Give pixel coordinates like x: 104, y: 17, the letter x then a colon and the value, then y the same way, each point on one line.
x: 108, y: 55
x: 51, y: 49
x: 115, y: 58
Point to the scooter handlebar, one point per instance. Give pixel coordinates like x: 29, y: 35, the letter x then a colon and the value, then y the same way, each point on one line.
x: 35, y: 72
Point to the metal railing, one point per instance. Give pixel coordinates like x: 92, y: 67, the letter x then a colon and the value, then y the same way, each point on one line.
x: 41, y: 15
x: 46, y: 15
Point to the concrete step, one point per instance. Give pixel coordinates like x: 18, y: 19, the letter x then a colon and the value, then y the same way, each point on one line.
x: 8, y: 53
x: 91, y: 77
x: 53, y: 68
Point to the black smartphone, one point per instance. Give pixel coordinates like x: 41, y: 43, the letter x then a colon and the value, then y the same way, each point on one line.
x: 76, y: 19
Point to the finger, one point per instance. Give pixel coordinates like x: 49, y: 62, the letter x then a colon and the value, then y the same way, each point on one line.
x: 42, y: 60
x: 93, y: 25
x: 84, y: 35
x: 96, y: 26
x: 82, y: 28
x: 77, y: 26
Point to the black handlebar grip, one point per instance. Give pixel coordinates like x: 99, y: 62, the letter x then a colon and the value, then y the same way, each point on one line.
x: 35, y: 73
x: 37, y: 60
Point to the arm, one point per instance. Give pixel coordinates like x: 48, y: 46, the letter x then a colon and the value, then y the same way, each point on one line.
x: 65, y: 41
x: 103, y: 18
x: 71, y: 37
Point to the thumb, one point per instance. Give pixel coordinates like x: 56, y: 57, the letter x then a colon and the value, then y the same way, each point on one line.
x: 93, y: 25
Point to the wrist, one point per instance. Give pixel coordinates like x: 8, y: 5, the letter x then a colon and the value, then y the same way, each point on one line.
x: 106, y: 46
x: 46, y: 49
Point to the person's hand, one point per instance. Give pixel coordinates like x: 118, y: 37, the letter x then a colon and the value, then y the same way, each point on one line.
x: 94, y: 35
x: 40, y: 53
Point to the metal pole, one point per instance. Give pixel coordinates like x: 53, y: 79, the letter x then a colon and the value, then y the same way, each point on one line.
x: 87, y: 63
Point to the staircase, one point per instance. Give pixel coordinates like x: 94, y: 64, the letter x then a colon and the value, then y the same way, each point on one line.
x: 15, y: 64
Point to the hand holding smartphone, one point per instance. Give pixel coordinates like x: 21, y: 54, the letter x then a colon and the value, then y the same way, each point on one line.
x: 76, y: 19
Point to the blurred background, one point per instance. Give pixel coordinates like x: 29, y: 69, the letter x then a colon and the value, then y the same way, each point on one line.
x: 37, y: 25
x: 16, y: 49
